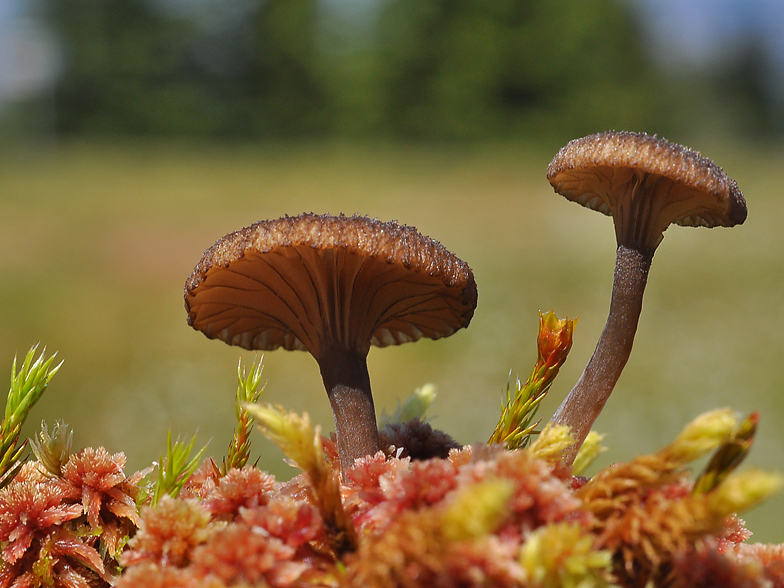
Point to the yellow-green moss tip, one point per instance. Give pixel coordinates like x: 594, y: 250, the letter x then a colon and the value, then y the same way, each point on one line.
x: 414, y: 407
x: 590, y: 450
x: 552, y: 442
x: 487, y: 504
x: 704, y: 434
x: 293, y: 433
x: 743, y: 490
x: 562, y: 555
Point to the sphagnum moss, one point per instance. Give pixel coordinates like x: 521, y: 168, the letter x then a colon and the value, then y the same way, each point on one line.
x: 485, y: 515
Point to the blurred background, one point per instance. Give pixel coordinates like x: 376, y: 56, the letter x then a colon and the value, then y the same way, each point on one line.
x: 135, y: 133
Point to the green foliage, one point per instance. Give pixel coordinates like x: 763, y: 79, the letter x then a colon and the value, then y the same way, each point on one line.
x: 55, y: 449
x: 729, y: 456
x: 283, y: 88
x: 588, y: 452
x: 562, y: 555
x: 248, y: 391
x: 414, y: 407
x: 134, y: 68
x: 745, y: 89
x: 175, y: 469
x: 516, y: 424
x: 707, y: 432
x: 742, y: 491
x: 488, y: 503
x: 295, y: 436
x: 552, y: 442
x: 27, y: 387
x: 124, y: 69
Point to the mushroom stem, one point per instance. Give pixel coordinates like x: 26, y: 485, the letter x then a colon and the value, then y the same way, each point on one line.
x: 584, y: 403
x: 347, y: 382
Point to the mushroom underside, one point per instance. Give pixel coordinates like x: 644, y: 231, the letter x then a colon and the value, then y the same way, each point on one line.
x: 299, y: 297
x: 601, y: 188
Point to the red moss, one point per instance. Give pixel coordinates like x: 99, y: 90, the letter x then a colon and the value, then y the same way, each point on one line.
x: 246, y: 529
x: 244, y: 488
x: 168, y: 533
x: 462, y: 456
x: 329, y: 445
x: 100, y: 479
x: 293, y: 522
x: 485, y: 562
x: 733, y: 533
x: 267, y: 543
x: 413, y: 552
x: 41, y: 547
x: 108, y: 498
x: 32, y: 471
x: 239, y: 553
x: 365, y: 477
x: 379, y: 491
x: 152, y: 575
x: 202, y: 481
x: 704, y: 566
x: 61, y: 554
x: 31, y: 510
x: 769, y: 557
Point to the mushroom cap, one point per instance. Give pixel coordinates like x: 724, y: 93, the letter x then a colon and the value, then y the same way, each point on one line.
x: 309, y: 281
x: 604, y: 170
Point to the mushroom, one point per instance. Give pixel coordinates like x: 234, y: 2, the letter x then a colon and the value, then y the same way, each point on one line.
x: 333, y: 286
x: 645, y: 184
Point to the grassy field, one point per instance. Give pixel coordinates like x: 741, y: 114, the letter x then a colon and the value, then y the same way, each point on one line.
x: 96, y: 241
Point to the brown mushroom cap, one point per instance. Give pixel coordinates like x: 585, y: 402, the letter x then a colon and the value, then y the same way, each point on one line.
x: 308, y: 281
x: 681, y: 186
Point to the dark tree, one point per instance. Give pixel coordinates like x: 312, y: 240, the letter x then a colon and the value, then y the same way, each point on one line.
x: 123, y: 66
x: 132, y: 68
x: 752, y: 88
x: 466, y: 68
x: 282, y: 88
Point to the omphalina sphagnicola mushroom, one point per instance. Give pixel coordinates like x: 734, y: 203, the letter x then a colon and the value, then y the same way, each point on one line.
x: 645, y: 183
x: 334, y: 286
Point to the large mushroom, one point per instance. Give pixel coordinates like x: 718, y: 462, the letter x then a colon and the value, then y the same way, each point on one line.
x: 334, y: 286
x: 645, y: 183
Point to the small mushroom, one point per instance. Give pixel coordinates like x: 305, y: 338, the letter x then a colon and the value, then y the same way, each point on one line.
x: 645, y: 184
x: 334, y: 286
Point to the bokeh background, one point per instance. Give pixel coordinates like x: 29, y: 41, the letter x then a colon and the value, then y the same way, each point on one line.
x: 134, y: 133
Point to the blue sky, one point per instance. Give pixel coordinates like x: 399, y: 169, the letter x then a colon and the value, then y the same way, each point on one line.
x: 701, y: 32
